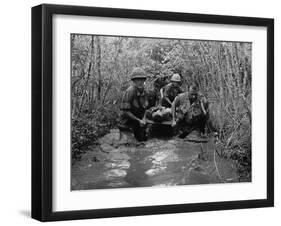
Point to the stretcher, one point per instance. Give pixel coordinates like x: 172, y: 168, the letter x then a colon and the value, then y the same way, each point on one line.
x: 167, y: 123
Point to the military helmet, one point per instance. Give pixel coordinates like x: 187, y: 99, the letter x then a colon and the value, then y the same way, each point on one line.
x: 193, y: 89
x: 138, y: 73
x: 176, y: 78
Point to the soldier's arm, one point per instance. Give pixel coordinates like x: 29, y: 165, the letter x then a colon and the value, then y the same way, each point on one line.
x: 126, y: 105
x: 143, y: 121
x: 165, y: 95
x: 131, y: 116
x: 204, y: 105
x: 173, y: 108
x: 168, y: 100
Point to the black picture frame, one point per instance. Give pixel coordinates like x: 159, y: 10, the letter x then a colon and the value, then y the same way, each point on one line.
x: 42, y: 107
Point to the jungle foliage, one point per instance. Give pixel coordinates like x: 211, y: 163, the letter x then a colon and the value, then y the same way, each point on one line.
x: 101, y: 67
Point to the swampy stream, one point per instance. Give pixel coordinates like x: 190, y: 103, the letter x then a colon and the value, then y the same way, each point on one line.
x: 119, y: 161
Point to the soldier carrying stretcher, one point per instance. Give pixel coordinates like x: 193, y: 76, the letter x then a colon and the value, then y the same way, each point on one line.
x: 133, y: 106
x: 171, y: 90
x: 190, y: 111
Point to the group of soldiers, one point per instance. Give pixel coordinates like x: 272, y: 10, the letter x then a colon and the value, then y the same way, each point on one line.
x: 189, y: 110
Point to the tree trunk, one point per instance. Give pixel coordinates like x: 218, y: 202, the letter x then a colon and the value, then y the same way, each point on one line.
x: 84, y: 92
x: 220, y: 86
x: 98, y: 60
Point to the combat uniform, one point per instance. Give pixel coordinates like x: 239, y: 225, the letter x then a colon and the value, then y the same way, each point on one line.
x: 170, y: 92
x: 191, y: 115
x: 135, y: 101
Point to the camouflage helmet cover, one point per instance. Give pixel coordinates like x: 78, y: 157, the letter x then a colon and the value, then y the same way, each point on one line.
x: 176, y: 78
x: 193, y: 89
x: 138, y: 73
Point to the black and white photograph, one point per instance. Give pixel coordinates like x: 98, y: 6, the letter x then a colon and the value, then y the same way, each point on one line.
x: 144, y: 112
x: 149, y: 111
x: 137, y: 113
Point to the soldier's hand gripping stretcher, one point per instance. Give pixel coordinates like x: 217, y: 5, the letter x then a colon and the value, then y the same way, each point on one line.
x: 142, y: 122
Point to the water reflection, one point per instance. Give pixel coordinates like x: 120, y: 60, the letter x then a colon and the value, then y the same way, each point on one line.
x: 153, y: 163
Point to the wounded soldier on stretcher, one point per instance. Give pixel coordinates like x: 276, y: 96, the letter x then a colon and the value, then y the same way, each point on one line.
x: 159, y: 114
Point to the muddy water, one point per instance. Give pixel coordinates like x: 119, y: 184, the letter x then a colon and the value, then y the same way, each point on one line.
x: 119, y: 161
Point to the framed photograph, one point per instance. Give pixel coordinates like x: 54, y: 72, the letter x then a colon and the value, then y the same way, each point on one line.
x: 146, y: 112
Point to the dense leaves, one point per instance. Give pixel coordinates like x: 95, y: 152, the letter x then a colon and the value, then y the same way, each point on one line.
x: 87, y: 128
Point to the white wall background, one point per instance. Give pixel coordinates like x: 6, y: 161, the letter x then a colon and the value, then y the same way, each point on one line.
x: 15, y: 114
